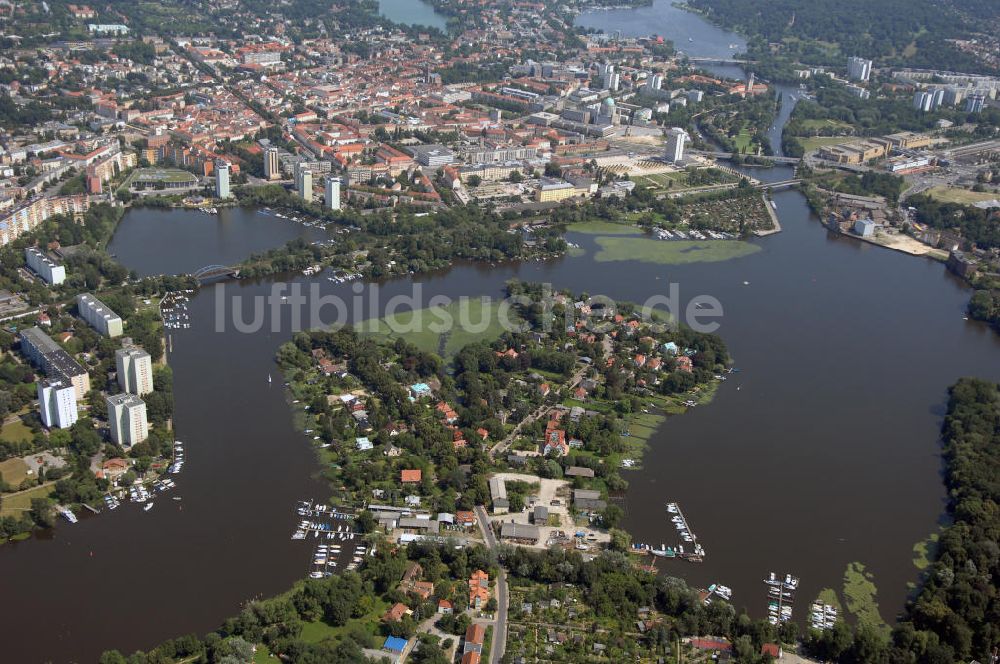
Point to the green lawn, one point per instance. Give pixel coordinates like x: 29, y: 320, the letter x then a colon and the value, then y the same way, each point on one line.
x: 365, y: 628
x: 743, y: 140
x: 444, y: 330
x: 13, y: 471
x: 963, y: 196
x: 646, y: 250
x: 17, y: 432
x: 16, y: 504
x: 597, y: 227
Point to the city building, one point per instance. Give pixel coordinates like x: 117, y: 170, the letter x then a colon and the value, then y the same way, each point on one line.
x: 135, y: 370
x: 923, y: 101
x: 975, y: 103
x: 432, y: 155
x: 858, y: 69
x: 272, y: 165
x: 57, y: 403
x: 52, y: 272
x: 222, y: 179
x: 333, y: 193
x: 127, y: 419
x: 554, y: 190
x: 27, y: 217
x: 51, y: 358
x: 304, y: 183
x: 99, y: 315
x: 676, y: 139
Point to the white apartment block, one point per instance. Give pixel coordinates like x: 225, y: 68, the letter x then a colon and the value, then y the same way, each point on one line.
x: 57, y: 403
x: 135, y: 370
x: 100, y: 317
x: 53, y: 273
x: 676, y: 138
x: 127, y: 419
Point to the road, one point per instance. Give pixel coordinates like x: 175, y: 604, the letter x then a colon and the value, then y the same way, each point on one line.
x: 500, y: 628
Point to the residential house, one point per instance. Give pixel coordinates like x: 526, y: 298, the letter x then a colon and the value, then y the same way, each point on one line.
x: 396, y: 612
x: 475, y: 635
x: 479, y: 589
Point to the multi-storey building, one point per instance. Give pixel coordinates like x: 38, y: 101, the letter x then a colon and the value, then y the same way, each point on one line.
x: 135, y: 370
x: 859, y: 69
x: 99, y: 315
x: 304, y: 183
x: 222, y: 179
x: 53, y: 273
x: 57, y: 403
x: 29, y: 216
x: 272, y: 165
x: 50, y: 357
x: 127, y: 419
x: 333, y: 193
x: 676, y: 139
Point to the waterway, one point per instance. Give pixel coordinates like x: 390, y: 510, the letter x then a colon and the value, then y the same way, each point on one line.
x: 225, y: 238
x: 690, y: 33
x: 821, y: 451
x: 412, y: 12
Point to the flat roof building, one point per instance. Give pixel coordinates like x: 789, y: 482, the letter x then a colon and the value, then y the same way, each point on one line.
x: 127, y: 419
x: 432, y: 155
x: 135, y: 370
x: 51, y: 358
x: 52, y: 272
x: 57, y: 403
x: 99, y: 315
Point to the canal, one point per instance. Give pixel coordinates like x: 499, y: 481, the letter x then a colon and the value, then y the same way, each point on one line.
x: 821, y: 451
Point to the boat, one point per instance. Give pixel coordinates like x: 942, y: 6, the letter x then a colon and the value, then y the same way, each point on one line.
x: 148, y: 507
x: 67, y: 514
x: 724, y: 592
x: 268, y: 379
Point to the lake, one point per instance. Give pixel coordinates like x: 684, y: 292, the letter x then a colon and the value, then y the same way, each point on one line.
x: 412, y: 12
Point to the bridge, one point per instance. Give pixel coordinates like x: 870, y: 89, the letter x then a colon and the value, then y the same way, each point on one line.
x: 779, y: 185
x: 210, y: 272
x: 729, y: 155
x: 719, y: 61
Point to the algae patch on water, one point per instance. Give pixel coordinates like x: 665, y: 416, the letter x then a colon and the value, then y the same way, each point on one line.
x: 648, y: 250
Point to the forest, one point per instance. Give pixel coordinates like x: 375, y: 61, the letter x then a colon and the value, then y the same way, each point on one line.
x: 956, y: 615
x: 912, y: 32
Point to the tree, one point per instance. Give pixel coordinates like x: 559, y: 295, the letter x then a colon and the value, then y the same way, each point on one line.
x: 612, y: 516
x: 41, y: 513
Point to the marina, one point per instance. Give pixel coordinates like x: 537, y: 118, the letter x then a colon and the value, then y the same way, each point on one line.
x: 337, y: 548
x: 822, y: 616
x: 780, y: 597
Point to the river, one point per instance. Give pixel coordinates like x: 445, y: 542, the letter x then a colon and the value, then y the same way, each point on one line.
x: 823, y: 450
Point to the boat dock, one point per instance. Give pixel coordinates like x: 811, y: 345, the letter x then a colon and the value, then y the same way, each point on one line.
x: 696, y: 554
x: 780, y: 597
x: 334, y: 530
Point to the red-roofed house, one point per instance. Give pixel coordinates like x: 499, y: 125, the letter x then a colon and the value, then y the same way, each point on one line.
x: 479, y: 589
x: 396, y: 613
